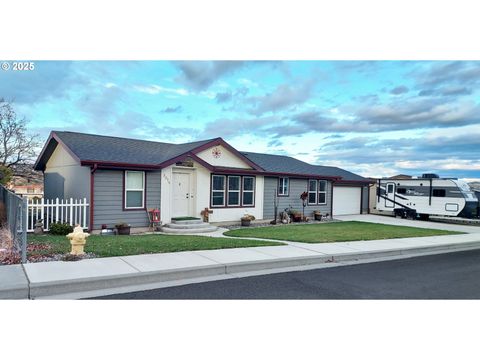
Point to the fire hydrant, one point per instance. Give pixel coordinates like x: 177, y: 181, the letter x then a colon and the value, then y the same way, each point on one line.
x: 78, y: 239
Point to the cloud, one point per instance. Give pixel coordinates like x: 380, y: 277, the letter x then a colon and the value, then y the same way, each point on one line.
x: 229, y: 128
x: 223, y: 97
x: 282, y: 97
x: 171, y: 110
x: 399, y: 90
x: 157, y: 89
x: 199, y: 75
x: 49, y: 79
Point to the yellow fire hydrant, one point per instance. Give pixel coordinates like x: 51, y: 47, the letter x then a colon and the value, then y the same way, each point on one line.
x: 78, y: 239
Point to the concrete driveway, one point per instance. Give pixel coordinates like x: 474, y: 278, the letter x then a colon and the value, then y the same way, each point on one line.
x: 388, y: 220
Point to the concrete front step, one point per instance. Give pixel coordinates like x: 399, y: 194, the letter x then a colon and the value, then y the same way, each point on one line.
x: 188, y: 226
x: 197, y: 221
x: 203, y: 229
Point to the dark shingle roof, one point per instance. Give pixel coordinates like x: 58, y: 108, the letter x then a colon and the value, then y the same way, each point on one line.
x: 286, y: 164
x: 122, y: 150
x: 111, y: 149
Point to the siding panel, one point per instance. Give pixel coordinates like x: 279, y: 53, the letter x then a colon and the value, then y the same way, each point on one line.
x: 108, y: 201
x: 297, y: 186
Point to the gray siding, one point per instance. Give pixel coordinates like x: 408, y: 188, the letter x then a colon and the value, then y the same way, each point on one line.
x: 297, y: 187
x: 108, y: 201
x: 67, y: 182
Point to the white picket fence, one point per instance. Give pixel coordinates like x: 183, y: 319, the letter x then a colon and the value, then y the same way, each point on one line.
x: 71, y: 211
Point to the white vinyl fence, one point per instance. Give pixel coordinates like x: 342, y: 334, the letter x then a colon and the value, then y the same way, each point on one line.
x: 70, y: 211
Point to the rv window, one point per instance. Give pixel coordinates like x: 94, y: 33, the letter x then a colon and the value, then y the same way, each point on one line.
x: 390, y: 188
x: 401, y: 190
x: 439, y: 192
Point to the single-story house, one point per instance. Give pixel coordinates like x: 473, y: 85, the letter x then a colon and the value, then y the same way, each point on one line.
x: 122, y: 177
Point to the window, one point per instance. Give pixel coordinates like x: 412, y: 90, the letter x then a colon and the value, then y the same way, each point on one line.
x: 233, y: 191
x: 283, y: 186
x: 322, y: 192
x: 401, y: 191
x: 134, y: 189
x: 312, y: 192
x: 390, y: 188
x: 248, y: 190
x: 439, y: 192
x: 218, y: 190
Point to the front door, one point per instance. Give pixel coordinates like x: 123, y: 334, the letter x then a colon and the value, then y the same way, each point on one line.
x: 182, y: 194
x: 390, y: 195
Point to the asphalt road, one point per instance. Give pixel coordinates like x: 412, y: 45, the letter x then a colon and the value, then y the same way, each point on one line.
x: 445, y: 276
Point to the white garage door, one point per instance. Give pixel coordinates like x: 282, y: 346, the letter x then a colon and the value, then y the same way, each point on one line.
x: 346, y: 200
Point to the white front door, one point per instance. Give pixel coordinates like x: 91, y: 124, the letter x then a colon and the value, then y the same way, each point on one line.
x: 182, y: 194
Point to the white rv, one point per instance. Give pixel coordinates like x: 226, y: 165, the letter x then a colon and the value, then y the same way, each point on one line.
x: 425, y: 196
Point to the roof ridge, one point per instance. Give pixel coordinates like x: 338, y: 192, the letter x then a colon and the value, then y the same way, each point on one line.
x: 126, y: 138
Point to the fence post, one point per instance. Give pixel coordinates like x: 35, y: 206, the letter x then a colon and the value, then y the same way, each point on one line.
x: 24, y: 218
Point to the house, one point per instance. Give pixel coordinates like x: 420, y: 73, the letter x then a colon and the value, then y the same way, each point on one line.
x: 31, y: 191
x: 123, y: 177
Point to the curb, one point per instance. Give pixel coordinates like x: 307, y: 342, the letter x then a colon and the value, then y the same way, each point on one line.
x: 80, y: 288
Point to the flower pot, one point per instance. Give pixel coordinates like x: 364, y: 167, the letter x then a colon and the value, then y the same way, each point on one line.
x: 124, y: 230
x: 318, y: 217
x: 246, y: 222
x: 297, y: 217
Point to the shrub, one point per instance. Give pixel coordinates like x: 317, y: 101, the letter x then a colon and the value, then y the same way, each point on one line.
x: 60, y: 229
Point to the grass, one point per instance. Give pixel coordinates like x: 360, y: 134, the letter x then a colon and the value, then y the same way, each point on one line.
x: 105, y: 246
x: 336, y: 232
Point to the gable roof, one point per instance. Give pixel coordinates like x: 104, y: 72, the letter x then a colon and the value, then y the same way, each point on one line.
x: 90, y: 149
x: 117, y: 152
x: 288, y: 165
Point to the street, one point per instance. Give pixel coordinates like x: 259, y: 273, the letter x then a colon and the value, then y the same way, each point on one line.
x: 445, y: 276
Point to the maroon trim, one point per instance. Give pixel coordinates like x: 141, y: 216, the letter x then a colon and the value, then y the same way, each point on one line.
x: 225, y: 196
x: 55, y: 137
x: 120, y: 165
x: 201, y: 161
x: 353, y: 182
x: 144, y: 208
x: 278, y: 186
x: 220, y: 141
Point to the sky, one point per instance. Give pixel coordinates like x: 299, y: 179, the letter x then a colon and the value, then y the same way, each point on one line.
x: 374, y: 118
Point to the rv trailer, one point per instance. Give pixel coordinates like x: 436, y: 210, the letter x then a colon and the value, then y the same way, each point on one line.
x: 425, y: 196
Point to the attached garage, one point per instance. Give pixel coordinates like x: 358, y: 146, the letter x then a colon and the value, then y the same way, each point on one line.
x: 346, y: 200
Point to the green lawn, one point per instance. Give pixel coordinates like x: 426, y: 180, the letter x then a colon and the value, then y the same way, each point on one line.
x: 104, y: 246
x: 335, y: 231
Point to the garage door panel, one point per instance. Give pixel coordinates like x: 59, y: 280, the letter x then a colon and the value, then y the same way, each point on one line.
x: 346, y: 200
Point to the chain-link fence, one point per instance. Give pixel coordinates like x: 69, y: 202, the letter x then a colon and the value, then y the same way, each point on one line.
x: 13, y: 217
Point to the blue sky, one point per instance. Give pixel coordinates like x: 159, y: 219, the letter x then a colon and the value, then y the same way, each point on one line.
x: 375, y: 118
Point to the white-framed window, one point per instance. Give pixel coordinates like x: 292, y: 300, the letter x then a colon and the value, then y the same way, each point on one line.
x: 233, y: 196
x: 312, y: 192
x: 218, y: 190
x: 248, y: 190
x: 134, y: 189
x: 322, y: 192
x: 283, y: 186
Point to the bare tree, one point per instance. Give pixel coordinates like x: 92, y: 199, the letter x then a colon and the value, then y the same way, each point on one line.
x: 16, y: 146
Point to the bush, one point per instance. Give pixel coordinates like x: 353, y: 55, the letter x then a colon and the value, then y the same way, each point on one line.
x: 60, y: 229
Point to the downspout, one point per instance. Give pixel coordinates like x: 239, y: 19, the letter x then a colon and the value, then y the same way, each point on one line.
x: 92, y: 198
x: 331, y: 200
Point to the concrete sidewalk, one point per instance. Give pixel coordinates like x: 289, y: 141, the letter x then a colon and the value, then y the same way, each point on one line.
x: 103, y: 276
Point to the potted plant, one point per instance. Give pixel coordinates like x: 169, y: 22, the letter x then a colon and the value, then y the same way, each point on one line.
x: 318, y: 215
x: 247, y: 219
x: 122, y: 228
x: 296, y: 215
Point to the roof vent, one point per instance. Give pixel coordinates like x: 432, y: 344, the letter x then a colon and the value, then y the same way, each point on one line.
x: 430, y: 176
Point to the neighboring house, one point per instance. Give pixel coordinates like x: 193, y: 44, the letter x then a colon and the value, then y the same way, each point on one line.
x: 121, y: 178
x: 30, y: 191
